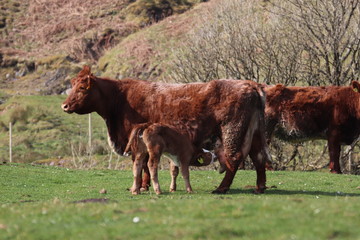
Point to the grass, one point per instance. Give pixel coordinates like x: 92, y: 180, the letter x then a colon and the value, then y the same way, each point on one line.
x: 39, y: 202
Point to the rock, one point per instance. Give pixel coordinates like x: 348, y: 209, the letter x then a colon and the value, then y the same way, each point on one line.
x: 56, y: 81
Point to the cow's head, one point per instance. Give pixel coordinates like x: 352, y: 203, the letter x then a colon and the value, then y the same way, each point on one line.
x: 82, y: 98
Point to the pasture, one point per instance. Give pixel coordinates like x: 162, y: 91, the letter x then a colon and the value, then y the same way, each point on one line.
x: 39, y: 202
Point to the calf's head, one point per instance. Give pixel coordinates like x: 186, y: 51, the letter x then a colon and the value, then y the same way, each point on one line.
x: 82, y: 97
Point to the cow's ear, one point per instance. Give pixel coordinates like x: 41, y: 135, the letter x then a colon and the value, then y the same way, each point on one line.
x: 85, y: 71
x: 89, y: 81
x: 355, y: 86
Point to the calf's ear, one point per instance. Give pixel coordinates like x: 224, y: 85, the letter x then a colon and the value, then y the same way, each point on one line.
x: 355, y: 86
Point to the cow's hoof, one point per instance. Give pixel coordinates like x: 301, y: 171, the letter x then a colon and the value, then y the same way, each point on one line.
x: 172, y: 190
x: 220, y: 191
x: 259, y: 191
x: 335, y: 172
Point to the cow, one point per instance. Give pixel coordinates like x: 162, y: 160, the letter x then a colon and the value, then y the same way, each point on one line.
x: 154, y: 139
x: 229, y: 110
x: 305, y: 113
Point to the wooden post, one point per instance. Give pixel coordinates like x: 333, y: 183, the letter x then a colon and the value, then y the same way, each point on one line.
x: 10, y: 141
x: 90, y: 133
x: 90, y: 136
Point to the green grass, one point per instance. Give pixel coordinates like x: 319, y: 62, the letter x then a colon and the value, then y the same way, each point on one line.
x: 37, y: 202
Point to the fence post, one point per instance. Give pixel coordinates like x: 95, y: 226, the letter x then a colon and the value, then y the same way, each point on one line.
x: 10, y: 141
x: 90, y: 142
x: 90, y: 133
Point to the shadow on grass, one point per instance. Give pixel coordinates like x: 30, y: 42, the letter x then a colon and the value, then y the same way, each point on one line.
x: 294, y: 192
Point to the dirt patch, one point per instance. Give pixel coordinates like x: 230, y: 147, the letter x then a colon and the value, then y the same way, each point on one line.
x: 94, y: 200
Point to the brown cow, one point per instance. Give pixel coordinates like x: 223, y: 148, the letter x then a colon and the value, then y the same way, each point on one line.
x: 230, y: 110
x: 304, y: 113
x: 154, y: 139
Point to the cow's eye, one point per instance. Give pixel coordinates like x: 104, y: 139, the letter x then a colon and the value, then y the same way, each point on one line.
x: 82, y: 88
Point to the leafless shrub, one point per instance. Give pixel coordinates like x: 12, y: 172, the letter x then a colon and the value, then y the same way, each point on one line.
x: 291, y: 41
x: 20, y: 114
x: 328, y: 34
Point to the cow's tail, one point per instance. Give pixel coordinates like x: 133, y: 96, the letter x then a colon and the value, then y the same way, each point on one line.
x: 262, y: 95
x: 133, y: 142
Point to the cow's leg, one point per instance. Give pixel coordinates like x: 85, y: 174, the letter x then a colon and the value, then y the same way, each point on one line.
x: 153, y: 164
x: 232, y: 157
x: 259, y: 154
x: 232, y: 165
x: 145, y: 184
x: 137, y: 167
x: 174, y: 172
x: 270, y: 124
x: 334, y: 152
x: 219, y: 152
x: 236, y: 146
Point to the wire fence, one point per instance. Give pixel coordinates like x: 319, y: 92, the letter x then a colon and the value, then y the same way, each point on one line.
x: 89, y: 149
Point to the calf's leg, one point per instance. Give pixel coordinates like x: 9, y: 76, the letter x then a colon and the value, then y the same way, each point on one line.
x: 137, y: 167
x: 174, y: 172
x: 186, y: 175
x: 145, y: 184
x: 153, y: 168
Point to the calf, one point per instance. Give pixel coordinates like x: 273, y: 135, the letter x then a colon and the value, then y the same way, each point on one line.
x: 304, y: 113
x: 155, y: 139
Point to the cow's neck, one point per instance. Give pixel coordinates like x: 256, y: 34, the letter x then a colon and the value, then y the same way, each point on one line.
x: 109, y: 109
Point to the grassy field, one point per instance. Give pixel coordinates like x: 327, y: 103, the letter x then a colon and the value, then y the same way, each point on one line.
x: 40, y: 202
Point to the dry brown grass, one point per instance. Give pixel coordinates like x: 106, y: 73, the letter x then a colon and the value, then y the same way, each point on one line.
x: 52, y: 26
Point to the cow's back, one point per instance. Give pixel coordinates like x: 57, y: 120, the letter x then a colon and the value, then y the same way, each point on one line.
x: 196, y: 109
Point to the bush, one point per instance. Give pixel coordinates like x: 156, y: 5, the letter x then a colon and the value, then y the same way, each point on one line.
x: 20, y: 113
x: 151, y: 11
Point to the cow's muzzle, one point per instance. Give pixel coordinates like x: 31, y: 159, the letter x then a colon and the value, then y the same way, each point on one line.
x: 66, y: 108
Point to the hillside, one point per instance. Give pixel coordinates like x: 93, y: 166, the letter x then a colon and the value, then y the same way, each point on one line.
x: 44, y: 43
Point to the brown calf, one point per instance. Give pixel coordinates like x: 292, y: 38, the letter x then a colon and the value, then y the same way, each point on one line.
x: 154, y: 140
